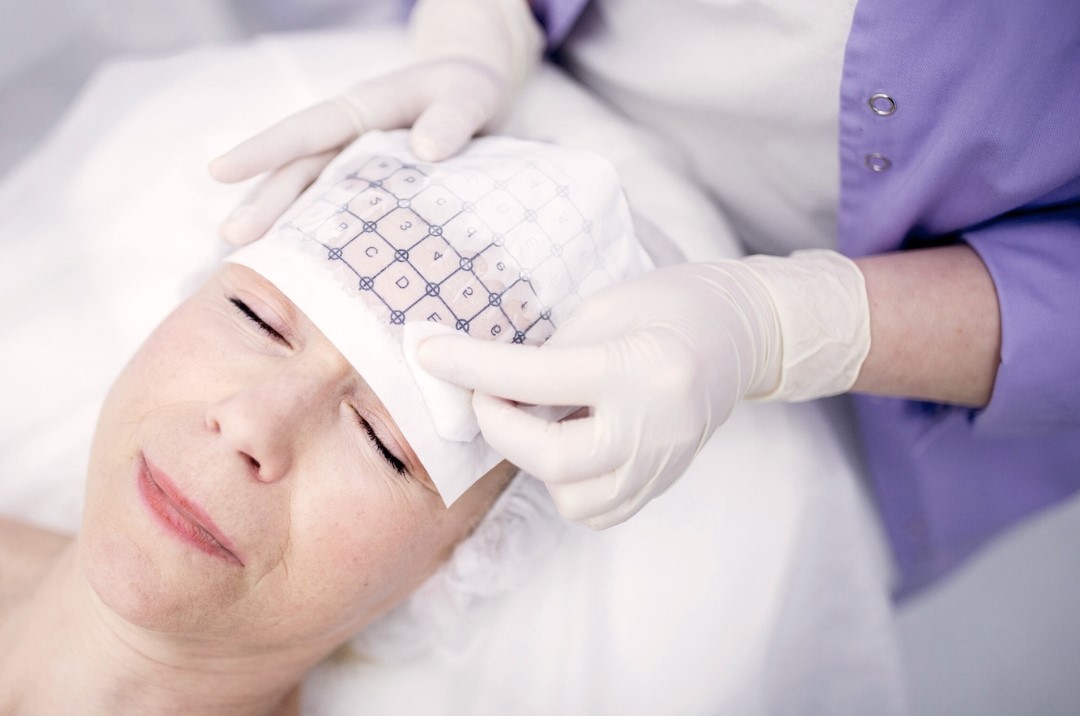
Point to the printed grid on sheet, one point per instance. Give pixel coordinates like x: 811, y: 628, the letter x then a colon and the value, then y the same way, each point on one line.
x: 489, y: 247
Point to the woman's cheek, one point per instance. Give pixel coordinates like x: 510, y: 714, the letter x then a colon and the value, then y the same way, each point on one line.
x: 381, y: 539
x: 176, y: 361
x: 359, y: 565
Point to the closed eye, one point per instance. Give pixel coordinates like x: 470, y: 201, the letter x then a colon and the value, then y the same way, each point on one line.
x: 391, y: 459
x: 259, y: 322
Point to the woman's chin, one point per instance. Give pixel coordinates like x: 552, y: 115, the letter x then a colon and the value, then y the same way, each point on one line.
x: 153, y: 589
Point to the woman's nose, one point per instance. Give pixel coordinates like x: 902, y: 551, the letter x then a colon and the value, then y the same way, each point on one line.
x: 265, y: 423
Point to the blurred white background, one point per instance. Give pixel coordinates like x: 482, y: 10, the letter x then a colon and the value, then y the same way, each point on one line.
x: 1000, y: 637
x: 48, y: 48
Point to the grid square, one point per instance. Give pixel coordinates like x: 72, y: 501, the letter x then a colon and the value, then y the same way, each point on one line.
x: 501, y: 211
x: 490, y: 323
x: 434, y: 259
x: 337, y: 229
x: 399, y: 286
x: 465, y: 294
x: 471, y: 185
x: 522, y: 307
x: 499, y: 269
x: 406, y: 183
x: 378, y: 168
x: 366, y: 255
x: 532, y: 187
x: 530, y: 246
x: 560, y: 220
x: 433, y: 310
x: 467, y: 234
x: 372, y: 204
x: 437, y: 204
x: 553, y: 281
x: 402, y: 228
x: 580, y: 256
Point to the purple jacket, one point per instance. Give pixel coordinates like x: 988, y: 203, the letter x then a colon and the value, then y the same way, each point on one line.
x: 960, y: 121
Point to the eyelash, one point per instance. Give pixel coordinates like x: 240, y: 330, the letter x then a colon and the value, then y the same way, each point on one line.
x: 254, y: 318
x: 398, y: 465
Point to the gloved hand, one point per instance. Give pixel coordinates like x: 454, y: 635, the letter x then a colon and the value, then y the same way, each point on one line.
x: 472, y: 55
x: 659, y: 362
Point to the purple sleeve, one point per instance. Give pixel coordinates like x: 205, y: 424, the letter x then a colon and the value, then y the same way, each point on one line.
x: 1034, y: 260
x: 557, y: 17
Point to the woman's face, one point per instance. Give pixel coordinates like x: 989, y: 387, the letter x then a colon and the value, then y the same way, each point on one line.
x: 246, y: 484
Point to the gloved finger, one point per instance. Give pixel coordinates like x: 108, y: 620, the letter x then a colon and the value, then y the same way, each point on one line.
x: 621, y: 513
x: 547, y: 375
x: 384, y: 103
x: 587, y: 499
x: 316, y: 129
x: 626, y: 508
x: 271, y: 197
x: 555, y: 452
x: 443, y: 129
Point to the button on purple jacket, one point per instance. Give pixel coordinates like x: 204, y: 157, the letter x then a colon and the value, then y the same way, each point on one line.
x: 976, y: 140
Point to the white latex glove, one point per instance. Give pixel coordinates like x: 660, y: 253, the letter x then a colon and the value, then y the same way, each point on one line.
x: 472, y: 57
x: 660, y: 362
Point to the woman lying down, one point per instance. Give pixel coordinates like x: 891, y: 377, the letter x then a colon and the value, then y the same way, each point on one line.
x: 269, y: 476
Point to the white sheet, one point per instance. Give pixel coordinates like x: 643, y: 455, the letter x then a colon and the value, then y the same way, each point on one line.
x: 756, y: 586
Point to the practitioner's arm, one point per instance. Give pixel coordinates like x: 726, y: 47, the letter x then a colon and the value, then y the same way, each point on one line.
x: 934, y: 324
x: 661, y: 360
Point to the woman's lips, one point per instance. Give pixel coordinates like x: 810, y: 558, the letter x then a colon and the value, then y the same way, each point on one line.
x: 180, y: 515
